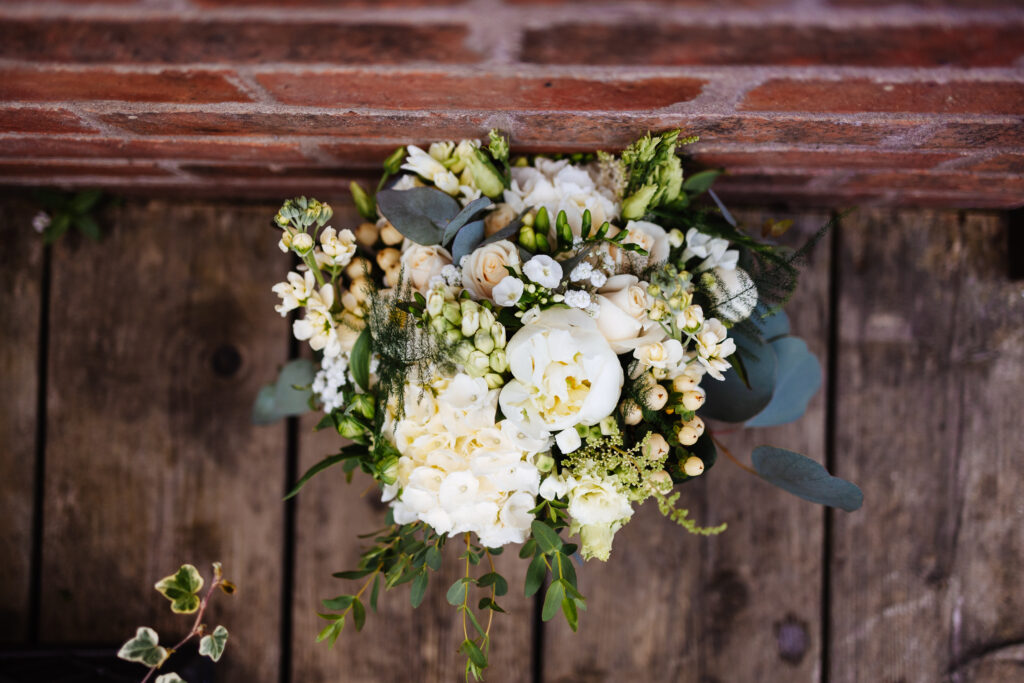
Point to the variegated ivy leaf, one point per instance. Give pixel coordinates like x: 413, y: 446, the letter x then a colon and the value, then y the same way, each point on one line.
x: 144, y: 648
x: 213, y: 645
x: 181, y: 588
x: 170, y: 678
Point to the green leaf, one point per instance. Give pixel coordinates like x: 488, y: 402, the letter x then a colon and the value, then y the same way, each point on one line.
x: 375, y: 592
x: 805, y: 478
x: 169, y: 678
x: 419, y: 213
x: 546, y: 537
x: 144, y: 648
x: 495, y: 579
x: 457, y: 593
x: 528, y: 548
x: 88, y: 226
x: 701, y: 182
x: 331, y: 631
x: 488, y: 603
x: 181, y: 588
x: 364, y: 202
x: 535, y: 575
x: 732, y: 400
x: 799, y: 378
x: 359, y: 361
x: 315, y: 470
x: 571, y: 615
x: 57, y: 227
x: 339, y: 603
x: 474, y: 653
x: 418, y: 589
x: 213, y: 645
x: 434, y: 558
x: 467, y: 240
x: 282, y: 399
x: 553, y: 600
x: 83, y: 202
x: 358, y: 614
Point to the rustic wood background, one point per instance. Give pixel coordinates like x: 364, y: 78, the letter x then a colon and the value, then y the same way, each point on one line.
x: 128, y: 369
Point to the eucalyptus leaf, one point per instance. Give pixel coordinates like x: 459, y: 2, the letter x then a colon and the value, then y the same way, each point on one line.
x: 467, y: 240
x: 144, y: 648
x: 731, y: 400
x: 721, y: 207
x: 770, y: 326
x: 535, y: 575
x: 546, y: 537
x: 282, y: 398
x: 465, y: 216
x: 805, y: 478
x: 418, y: 589
x: 359, y: 360
x: 799, y: 378
x: 553, y: 600
x: 420, y: 213
x: 212, y: 645
x: 181, y: 589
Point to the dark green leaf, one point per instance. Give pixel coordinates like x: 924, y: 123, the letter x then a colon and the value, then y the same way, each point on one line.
x: 535, y: 575
x: 473, y: 620
x: 352, y: 575
x: 467, y: 240
x: 181, y: 589
x: 546, y: 537
x: 457, y: 593
x: 419, y: 213
x: 805, y: 478
x: 359, y: 361
x: 144, y: 648
x: 434, y: 558
x: 799, y: 378
x: 212, y: 645
x: 57, y: 227
x: 474, y: 653
x: 528, y: 548
x: 83, y: 202
x: 339, y: 603
x: 418, y: 589
x: 571, y: 616
x: 375, y: 592
x: 87, y: 226
x: 315, y: 470
x: 495, y: 579
x: 488, y: 603
x: 701, y: 182
x: 358, y: 614
x: 553, y: 600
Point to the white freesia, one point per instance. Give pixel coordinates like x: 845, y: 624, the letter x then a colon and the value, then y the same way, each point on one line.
x: 422, y: 263
x: 559, y: 186
x: 622, y: 306
x: 508, y: 291
x: 487, y: 266
x: 429, y: 168
x: 564, y: 373
x: 459, y: 471
x: 544, y: 270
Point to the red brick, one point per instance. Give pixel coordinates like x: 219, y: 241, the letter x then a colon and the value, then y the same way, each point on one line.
x: 966, y: 4
x: 767, y: 180
x: 264, y: 171
x: 1010, y: 185
x: 432, y: 91
x: 863, y: 95
x: 745, y: 129
x: 978, y: 135
x: 814, y: 159
x: 298, y: 4
x: 780, y: 44
x: 115, y: 148
x: 106, y: 84
x: 717, y: 3
x: 23, y: 169
x: 82, y: 41
x: 40, y: 120
x: 359, y: 154
x: 1003, y: 163
x: 349, y: 124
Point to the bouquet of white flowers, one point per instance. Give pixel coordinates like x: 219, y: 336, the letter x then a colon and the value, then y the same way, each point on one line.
x: 523, y: 350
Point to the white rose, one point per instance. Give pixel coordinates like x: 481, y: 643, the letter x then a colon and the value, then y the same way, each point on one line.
x: 508, y: 291
x: 622, y: 314
x: 488, y: 265
x: 564, y: 373
x: 422, y: 263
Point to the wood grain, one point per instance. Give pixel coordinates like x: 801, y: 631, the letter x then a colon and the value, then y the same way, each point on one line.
x: 926, y: 578
x: 743, y: 606
x: 160, y: 338
x: 21, y: 277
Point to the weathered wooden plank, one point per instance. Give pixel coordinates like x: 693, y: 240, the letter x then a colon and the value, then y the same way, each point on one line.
x: 160, y: 338
x: 21, y: 277
x: 926, y: 580
x: 398, y: 643
x: 743, y: 606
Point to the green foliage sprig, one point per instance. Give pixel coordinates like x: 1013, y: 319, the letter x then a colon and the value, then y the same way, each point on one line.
x: 63, y: 210
x: 182, y: 590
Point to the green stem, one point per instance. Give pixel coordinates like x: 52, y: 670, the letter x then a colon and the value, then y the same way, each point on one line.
x: 310, y: 261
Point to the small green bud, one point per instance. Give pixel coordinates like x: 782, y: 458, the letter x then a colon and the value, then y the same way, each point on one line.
x: 364, y: 405
x: 365, y: 204
x: 393, y: 164
x: 453, y: 335
x: 498, y: 335
x: 563, y: 230
x: 486, y: 177
x: 482, y: 340
x: 463, y: 350
x: 302, y: 243
x: 609, y: 426
x: 486, y: 318
x: 435, y: 303
x: 350, y: 428
x: 499, y: 361
x: 470, y: 318
x: 452, y: 313
x: 388, y: 469
x: 494, y: 380
x: 542, y: 223
x: 439, y: 325
x: 635, y: 206
x: 542, y: 243
x: 477, y: 363
x: 545, y: 463
x: 527, y: 238
x: 498, y: 146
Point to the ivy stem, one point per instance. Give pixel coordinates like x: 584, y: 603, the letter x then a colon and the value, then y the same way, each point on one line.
x: 195, y: 627
x: 732, y: 457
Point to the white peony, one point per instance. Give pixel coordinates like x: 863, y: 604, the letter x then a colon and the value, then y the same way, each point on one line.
x: 622, y: 314
x: 564, y: 372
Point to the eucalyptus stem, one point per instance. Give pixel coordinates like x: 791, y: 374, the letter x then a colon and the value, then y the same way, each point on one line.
x: 196, y: 627
x: 732, y: 457
x: 465, y: 599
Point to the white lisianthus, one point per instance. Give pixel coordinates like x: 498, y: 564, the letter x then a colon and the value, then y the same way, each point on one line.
x: 459, y: 471
x: 713, y: 346
x: 422, y: 263
x: 339, y: 247
x: 622, y: 314
x: 508, y: 291
x: 559, y: 186
x: 544, y: 270
x: 598, y: 509
x: 733, y: 293
x: 553, y: 487
x: 564, y: 372
x: 487, y: 266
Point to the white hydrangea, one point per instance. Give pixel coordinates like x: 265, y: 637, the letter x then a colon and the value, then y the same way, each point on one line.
x: 459, y: 470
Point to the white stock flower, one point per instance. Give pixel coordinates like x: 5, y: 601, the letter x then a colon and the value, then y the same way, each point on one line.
x: 294, y: 292
x: 459, y: 471
x: 622, y: 314
x: 340, y: 247
x: 544, y: 270
x: 564, y: 372
x: 713, y: 346
x: 508, y: 291
x: 488, y: 265
x: 318, y: 326
x: 429, y: 168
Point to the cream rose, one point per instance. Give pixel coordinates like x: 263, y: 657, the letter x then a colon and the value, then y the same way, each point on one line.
x: 622, y: 314
x: 564, y: 373
x: 486, y: 266
x: 651, y: 237
x: 422, y: 263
